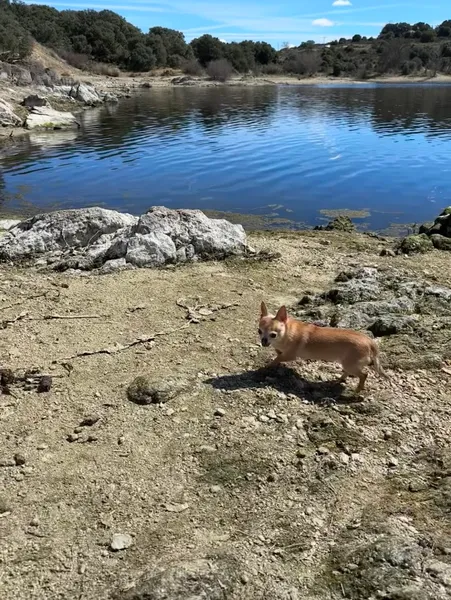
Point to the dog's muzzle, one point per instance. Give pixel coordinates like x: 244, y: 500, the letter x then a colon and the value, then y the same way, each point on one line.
x: 265, y: 342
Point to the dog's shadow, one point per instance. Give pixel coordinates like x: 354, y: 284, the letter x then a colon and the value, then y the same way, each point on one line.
x: 287, y: 381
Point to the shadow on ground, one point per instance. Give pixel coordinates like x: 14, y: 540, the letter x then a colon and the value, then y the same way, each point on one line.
x: 287, y: 381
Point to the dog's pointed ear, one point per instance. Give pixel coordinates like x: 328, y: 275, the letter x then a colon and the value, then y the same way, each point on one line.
x: 282, y: 315
x: 263, y: 310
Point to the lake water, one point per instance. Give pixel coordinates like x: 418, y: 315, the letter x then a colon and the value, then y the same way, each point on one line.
x: 287, y: 153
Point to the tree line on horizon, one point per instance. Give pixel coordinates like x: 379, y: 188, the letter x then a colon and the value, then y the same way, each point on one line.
x: 85, y: 38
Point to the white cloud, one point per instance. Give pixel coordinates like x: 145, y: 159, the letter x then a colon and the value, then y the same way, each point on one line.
x: 342, y: 3
x: 323, y: 23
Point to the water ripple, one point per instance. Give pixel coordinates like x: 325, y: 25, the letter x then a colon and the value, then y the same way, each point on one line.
x: 378, y: 148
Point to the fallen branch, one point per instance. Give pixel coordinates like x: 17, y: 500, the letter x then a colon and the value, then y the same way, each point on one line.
x: 51, y: 317
x: 120, y: 347
x: 4, y: 324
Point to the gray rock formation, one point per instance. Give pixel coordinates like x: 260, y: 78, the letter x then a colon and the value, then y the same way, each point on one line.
x: 382, y: 302
x: 95, y: 237
x: 85, y: 94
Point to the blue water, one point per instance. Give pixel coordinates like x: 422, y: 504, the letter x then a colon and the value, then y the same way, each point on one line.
x: 288, y: 152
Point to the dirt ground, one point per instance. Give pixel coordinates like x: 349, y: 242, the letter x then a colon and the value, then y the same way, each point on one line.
x: 280, y: 477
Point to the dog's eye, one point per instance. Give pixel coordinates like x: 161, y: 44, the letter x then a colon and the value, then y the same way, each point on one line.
x: 273, y: 335
x: 259, y: 332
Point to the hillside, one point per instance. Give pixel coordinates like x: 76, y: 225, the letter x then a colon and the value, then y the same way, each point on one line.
x: 104, y: 42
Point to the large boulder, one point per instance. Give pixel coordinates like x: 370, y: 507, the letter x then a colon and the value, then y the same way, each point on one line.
x: 8, y: 118
x: 45, y: 117
x: 95, y: 237
x: 86, y: 94
x: 61, y: 230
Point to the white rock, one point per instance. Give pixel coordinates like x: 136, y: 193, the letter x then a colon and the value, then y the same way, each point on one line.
x: 7, y: 115
x: 61, y: 230
x: 86, y: 94
x: 91, y: 237
x: 45, y: 117
x: 6, y: 224
x: 121, y: 541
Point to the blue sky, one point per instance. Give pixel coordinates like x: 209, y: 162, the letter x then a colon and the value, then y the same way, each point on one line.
x: 276, y: 22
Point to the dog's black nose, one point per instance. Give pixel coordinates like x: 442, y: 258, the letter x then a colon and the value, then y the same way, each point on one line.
x: 265, y: 342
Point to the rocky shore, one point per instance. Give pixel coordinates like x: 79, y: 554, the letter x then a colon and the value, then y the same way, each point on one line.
x: 144, y: 452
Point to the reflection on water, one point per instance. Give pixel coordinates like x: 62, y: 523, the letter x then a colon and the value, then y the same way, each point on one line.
x: 287, y: 152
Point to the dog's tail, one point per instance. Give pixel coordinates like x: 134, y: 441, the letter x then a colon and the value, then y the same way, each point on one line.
x: 376, y: 363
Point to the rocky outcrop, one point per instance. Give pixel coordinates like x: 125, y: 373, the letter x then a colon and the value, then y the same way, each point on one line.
x: 383, y: 302
x: 94, y: 238
x: 45, y: 117
x: 340, y: 223
x: 8, y: 117
x: 431, y: 235
x: 389, y: 304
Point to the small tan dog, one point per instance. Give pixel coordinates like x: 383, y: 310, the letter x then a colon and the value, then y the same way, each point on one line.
x: 293, y: 339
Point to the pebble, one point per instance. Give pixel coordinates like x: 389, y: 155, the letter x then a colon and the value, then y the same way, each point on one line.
x: 215, y: 489
x: 19, y: 459
x: 344, y: 458
x: 34, y: 522
x: 220, y: 412
x: 121, y: 541
x: 392, y: 461
x: 207, y: 449
x: 323, y: 450
x: 170, y: 412
x: 263, y: 418
x: 72, y: 437
x: 89, y: 421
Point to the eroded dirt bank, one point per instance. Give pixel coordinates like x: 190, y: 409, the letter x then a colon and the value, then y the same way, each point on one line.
x: 250, y: 486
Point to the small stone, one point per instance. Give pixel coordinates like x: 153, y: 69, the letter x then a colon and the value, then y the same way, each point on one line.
x: 244, y: 579
x: 301, y: 453
x: 34, y: 522
x: 42, y: 447
x: 387, y: 252
x: 417, y: 486
x: 343, y: 458
x: 263, y: 419
x: 81, y: 569
x: 392, y: 461
x: 207, y: 449
x: 176, y: 508
x: 121, y: 541
x: 170, y: 412
x: 72, y: 437
x: 92, y: 438
x: 272, y: 477
x: 219, y: 412
x: 309, y: 510
x: 323, y: 450
x: 78, y: 429
x: 215, y: 489
x: 89, y: 421
x: 45, y: 384
x: 19, y: 459
x: 121, y: 440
